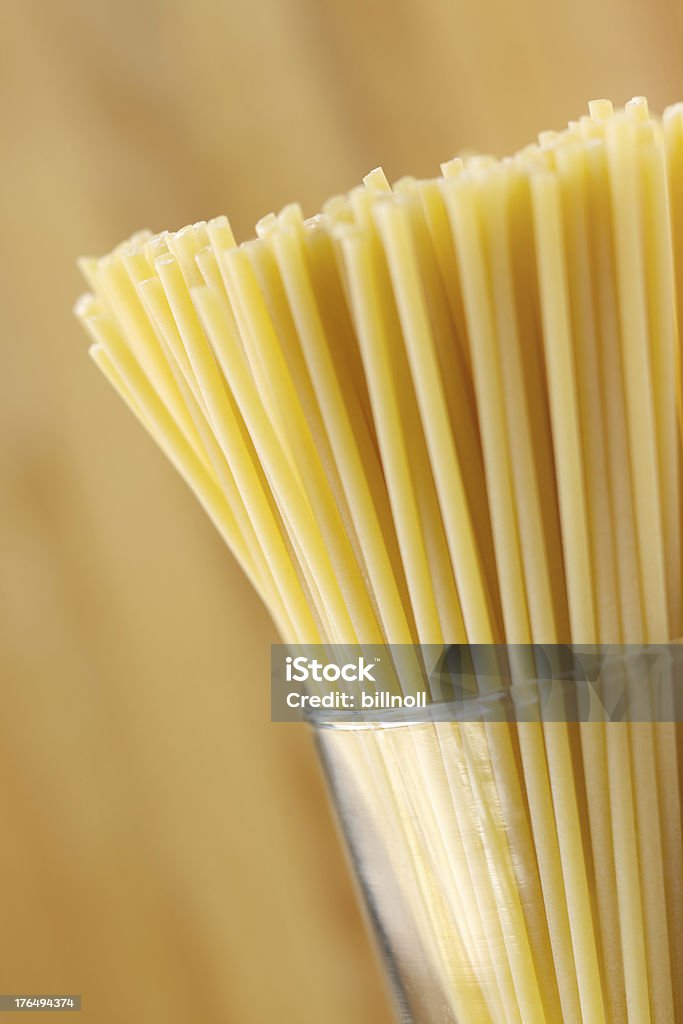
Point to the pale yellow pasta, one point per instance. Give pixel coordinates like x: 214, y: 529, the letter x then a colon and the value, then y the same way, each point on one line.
x: 450, y: 411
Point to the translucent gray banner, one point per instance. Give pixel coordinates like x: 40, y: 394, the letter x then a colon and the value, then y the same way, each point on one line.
x: 474, y: 682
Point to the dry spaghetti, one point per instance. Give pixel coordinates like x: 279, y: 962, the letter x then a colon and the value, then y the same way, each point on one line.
x: 450, y: 411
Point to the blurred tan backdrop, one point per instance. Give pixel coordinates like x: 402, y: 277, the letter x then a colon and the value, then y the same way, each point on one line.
x: 164, y: 849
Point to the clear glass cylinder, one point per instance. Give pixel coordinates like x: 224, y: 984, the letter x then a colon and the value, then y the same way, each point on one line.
x: 516, y: 871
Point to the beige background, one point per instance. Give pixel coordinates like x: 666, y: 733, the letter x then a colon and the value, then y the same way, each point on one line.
x: 164, y: 849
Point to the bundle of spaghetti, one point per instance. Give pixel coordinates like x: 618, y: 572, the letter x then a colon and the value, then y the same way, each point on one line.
x: 449, y: 411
